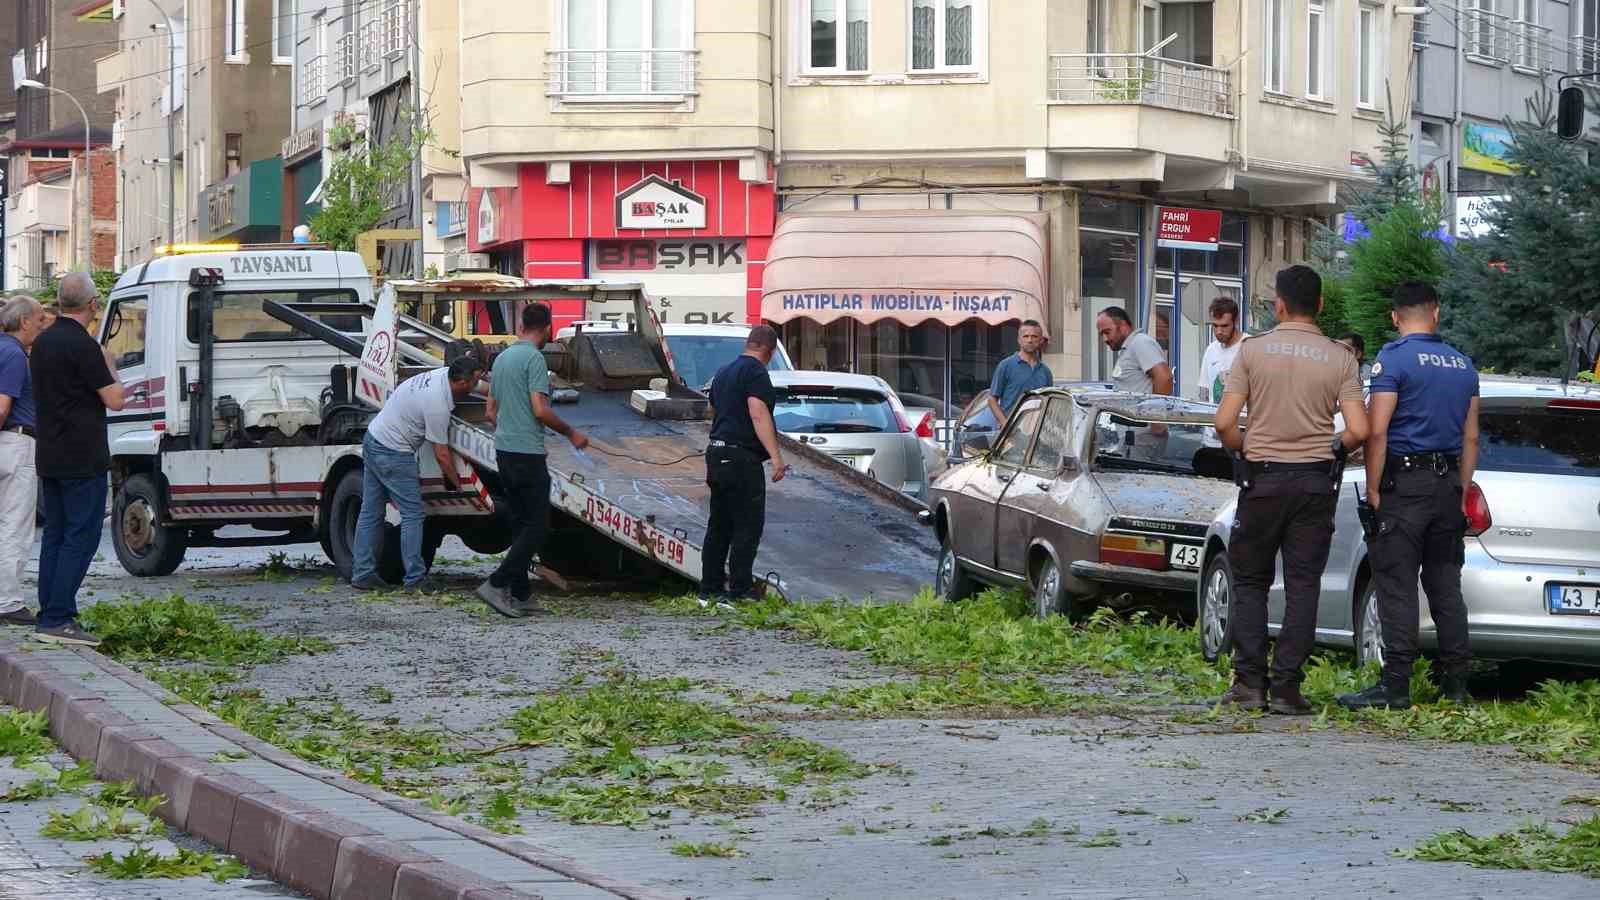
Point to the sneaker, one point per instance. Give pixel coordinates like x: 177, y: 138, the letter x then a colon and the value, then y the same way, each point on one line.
x: 532, y: 607
x: 429, y: 585
x: 366, y: 585
x: 21, y: 616
x: 1379, y: 696
x: 69, y: 634
x: 1286, y: 700
x: 499, y: 600
x: 1451, y: 687
x: 1245, y: 697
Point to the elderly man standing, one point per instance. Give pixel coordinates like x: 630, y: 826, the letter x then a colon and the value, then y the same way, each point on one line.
x: 74, y: 386
x: 22, y: 319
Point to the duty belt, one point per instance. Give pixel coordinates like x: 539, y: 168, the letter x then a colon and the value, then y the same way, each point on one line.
x: 1437, y: 463
x: 1263, y: 468
x: 24, y: 430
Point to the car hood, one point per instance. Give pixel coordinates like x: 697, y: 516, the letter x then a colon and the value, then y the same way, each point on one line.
x: 1174, y: 498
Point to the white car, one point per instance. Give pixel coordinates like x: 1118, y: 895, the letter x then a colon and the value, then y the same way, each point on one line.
x: 859, y: 421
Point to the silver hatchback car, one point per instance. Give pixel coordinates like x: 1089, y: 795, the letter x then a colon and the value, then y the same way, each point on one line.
x: 1532, y: 574
x: 856, y: 419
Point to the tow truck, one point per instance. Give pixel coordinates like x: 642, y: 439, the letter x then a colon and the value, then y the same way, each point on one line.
x: 252, y: 374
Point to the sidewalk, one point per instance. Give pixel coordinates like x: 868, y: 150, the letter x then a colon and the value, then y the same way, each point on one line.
x: 311, y: 829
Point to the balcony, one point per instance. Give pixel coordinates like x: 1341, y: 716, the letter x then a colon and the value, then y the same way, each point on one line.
x: 371, y: 36
x: 1133, y: 78
x: 1586, y: 57
x: 1530, y: 46
x: 41, y: 207
x: 396, y: 28
x: 344, y: 58
x: 313, y: 81
x: 1486, y: 35
x: 621, y: 75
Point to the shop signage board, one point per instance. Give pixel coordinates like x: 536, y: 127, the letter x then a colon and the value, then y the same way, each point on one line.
x: 696, y: 256
x: 658, y: 203
x: 301, y: 144
x: 1470, y: 211
x: 1484, y: 148
x: 1188, y: 229
x: 488, y: 219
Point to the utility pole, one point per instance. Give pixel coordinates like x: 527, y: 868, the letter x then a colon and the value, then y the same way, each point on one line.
x: 417, y: 267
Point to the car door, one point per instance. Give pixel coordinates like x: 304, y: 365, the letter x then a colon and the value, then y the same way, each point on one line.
x: 125, y: 341
x: 1033, y: 489
x: 975, y: 518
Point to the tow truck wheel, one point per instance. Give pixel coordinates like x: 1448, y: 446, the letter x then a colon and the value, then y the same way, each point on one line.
x: 343, y: 514
x: 144, y: 546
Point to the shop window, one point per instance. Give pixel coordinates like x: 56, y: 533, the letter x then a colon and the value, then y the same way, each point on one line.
x: 913, y: 360
x: 1107, y: 214
x: 819, y: 348
x: 834, y: 47
x: 976, y: 349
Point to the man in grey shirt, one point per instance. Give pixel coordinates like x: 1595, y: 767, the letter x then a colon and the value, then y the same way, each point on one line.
x: 1141, y: 363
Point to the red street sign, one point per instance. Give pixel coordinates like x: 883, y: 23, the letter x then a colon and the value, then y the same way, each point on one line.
x: 1188, y: 229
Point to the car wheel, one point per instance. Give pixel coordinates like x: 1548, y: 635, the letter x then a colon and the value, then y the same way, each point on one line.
x: 1049, y: 599
x: 1369, y: 628
x: 1216, y: 598
x: 951, y: 582
x: 144, y: 546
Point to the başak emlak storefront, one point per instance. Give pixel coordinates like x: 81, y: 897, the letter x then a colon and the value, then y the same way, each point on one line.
x: 929, y: 301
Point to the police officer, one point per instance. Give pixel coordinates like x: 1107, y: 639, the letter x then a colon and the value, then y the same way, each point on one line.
x: 1423, y: 450
x: 742, y: 438
x: 1292, y: 378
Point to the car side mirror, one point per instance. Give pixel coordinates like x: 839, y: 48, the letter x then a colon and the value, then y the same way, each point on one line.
x: 977, y: 444
x: 1569, y: 113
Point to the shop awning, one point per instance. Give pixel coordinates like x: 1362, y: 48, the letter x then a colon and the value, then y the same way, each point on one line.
x: 906, y: 266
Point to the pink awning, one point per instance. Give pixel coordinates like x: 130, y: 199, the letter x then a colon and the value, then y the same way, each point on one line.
x: 906, y: 266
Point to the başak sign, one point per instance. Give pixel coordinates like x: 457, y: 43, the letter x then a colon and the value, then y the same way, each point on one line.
x: 658, y: 203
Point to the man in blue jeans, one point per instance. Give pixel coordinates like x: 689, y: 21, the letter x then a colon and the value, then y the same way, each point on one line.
x: 418, y: 411
x: 74, y: 385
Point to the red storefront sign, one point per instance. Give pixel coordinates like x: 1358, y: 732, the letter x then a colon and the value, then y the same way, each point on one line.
x: 1188, y: 229
x: 696, y: 202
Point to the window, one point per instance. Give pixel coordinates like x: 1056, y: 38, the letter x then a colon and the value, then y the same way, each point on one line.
x: 945, y: 35
x: 231, y: 155
x: 1013, y: 449
x: 233, y: 31
x: 125, y: 333
x: 636, y: 47
x: 1055, y: 437
x: 1288, y: 241
x: 834, y: 48
x: 1528, y: 50
x: 1367, y: 57
x: 237, y: 317
x: 1483, y: 30
x: 825, y: 410
x: 1277, y: 43
x: 1318, y: 38
x: 1539, y: 441
x: 1100, y: 27
x: 283, y: 32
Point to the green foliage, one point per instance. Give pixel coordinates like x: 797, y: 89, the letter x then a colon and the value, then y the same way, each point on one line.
x: 175, y: 628
x: 97, y: 822
x: 725, y: 851
x: 24, y: 734
x: 366, y: 179
x: 141, y: 862
x: 966, y: 691
x: 1533, y: 847
x: 104, y: 281
x: 636, y: 712
x: 51, y: 782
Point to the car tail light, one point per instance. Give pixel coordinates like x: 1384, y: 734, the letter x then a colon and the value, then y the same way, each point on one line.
x: 1477, y: 509
x: 1574, y: 403
x: 1128, y: 550
x: 925, y: 427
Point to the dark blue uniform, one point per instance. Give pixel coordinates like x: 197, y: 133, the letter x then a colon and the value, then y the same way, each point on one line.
x: 1420, y: 520
x: 733, y: 473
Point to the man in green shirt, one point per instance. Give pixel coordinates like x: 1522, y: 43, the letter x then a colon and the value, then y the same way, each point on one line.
x: 519, y: 406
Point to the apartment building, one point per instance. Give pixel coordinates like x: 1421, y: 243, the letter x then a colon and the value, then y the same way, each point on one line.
x: 353, y: 66
x: 1478, y: 62
x: 146, y: 75
x: 57, y: 204
x: 935, y: 170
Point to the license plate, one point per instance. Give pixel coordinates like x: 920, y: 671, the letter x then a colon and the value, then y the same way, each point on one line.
x: 1184, y: 556
x: 1573, y: 599
x: 859, y: 463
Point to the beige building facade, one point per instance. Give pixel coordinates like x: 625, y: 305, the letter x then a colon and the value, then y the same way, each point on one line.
x: 1036, y: 141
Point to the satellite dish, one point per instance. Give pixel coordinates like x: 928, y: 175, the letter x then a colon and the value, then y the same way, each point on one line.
x: 1197, y: 297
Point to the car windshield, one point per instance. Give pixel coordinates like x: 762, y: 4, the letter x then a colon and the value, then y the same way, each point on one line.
x: 807, y: 410
x: 698, y: 357
x: 1539, y: 440
x: 1122, y: 443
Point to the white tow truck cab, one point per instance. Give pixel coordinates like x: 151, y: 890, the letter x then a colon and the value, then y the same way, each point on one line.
x: 236, y: 418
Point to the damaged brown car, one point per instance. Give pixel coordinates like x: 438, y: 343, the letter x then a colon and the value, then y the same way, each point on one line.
x: 1082, y: 493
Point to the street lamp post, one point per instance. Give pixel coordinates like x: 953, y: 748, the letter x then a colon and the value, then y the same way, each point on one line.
x: 172, y: 117
x: 87, y: 259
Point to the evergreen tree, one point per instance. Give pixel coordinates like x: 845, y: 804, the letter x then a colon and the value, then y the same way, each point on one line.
x: 1510, y: 293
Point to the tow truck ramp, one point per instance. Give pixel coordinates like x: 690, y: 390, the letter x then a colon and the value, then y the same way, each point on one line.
x: 830, y: 532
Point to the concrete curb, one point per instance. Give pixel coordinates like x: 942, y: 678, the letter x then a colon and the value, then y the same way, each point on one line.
x: 296, y: 842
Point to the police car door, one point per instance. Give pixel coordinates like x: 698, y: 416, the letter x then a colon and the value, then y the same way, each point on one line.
x: 975, y: 528
x: 1035, y: 492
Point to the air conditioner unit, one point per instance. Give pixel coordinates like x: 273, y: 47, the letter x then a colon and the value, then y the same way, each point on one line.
x: 458, y: 261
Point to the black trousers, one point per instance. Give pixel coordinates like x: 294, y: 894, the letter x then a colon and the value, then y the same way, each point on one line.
x: 1289, y: 513
x: 525, y: 479
x: 738, y: 515
x: 1420, y: 526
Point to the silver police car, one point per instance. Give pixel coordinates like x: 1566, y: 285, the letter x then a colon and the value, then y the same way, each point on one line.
x: 1532, y: 575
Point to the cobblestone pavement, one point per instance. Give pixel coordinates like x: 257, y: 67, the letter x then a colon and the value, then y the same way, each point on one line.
x: 1176, y: 811
x: 34, y: 866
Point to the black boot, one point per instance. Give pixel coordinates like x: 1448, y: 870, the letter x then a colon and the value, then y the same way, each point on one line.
x: 1383, y: 695
x: 1453, y: 687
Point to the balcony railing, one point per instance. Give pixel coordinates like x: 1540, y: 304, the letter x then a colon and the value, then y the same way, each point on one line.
x: 344, y: 58
x: 1486, y: 34
x: 1098, y: 78
x: 1586, y: 57
x: 1530, y: 46
x: 313, y: 81
x: 396, y: 28
x: 371, y: 36
x: 615, y: 74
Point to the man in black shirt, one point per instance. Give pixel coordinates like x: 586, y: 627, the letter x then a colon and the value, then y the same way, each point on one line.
x: 73, y: 387
x: 742, y: 437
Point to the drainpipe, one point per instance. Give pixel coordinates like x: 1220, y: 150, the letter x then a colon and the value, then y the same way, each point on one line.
x: 1243, y: 61
x: 777, y: 84
x: 417, y: 263
x: 1455, y: 119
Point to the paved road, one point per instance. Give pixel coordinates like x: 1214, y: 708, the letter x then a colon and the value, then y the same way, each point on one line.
x: 1172, y: 803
